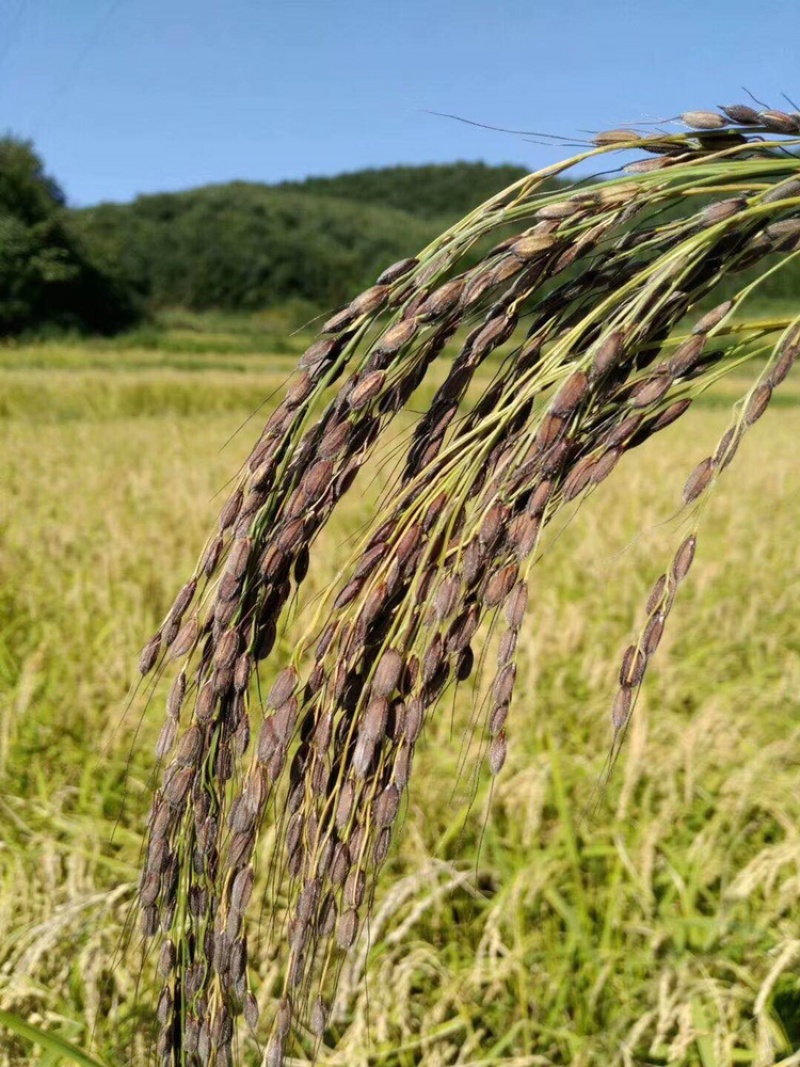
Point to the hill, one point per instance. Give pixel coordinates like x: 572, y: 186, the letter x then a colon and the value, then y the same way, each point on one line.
x: 243, y: 245
x: 434, y: 191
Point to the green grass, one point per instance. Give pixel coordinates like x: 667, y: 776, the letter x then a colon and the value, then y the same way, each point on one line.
x: 531, y: 923
x: 56, y: 1049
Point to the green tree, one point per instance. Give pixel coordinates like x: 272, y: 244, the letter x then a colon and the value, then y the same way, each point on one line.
x: 46, y: 278
x: 244, y: 245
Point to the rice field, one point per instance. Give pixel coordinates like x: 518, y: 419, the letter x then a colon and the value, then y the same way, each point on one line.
x: 529, y: 919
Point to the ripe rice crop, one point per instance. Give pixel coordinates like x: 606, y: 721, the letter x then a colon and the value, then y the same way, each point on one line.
x: 594, y: 318
x: 595, y: 314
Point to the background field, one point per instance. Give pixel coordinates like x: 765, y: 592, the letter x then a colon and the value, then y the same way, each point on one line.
x: 521, y: 925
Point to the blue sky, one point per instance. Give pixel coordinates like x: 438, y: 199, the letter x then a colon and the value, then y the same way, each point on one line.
x: 131, y: 96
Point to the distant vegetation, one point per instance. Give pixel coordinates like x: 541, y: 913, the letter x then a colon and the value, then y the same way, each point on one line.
x: 236, y: 247
x: 435, y: 191
x: 245, y: 246
x: 241, y: 246
x: 47, y: 278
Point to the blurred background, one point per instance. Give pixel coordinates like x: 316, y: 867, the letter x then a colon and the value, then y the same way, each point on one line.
x: 185, y: 188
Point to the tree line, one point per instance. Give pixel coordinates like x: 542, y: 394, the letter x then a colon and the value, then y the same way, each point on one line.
x: 236, y: 246
x: 244, y: 246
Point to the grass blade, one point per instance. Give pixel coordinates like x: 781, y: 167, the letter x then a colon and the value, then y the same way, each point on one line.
x: 57, y: 1046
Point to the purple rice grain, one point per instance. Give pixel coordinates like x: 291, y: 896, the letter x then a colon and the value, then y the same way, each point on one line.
x: 498, y: 750
x: 621, y: 709
x: 683, y: 559
x: 757, y: 404
x: 698, y: 480
x: 347, y: 929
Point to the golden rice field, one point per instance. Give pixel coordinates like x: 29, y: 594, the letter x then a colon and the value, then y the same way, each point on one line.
x: 534, y: 922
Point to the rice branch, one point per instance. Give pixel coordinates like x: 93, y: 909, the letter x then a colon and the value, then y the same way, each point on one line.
x: 598, y: 321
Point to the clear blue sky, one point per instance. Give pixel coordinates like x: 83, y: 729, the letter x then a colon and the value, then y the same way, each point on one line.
x: 130, y: 96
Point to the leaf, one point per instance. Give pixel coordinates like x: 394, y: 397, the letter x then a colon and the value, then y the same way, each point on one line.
x: 703, y: 1036
x: 63, y: 1050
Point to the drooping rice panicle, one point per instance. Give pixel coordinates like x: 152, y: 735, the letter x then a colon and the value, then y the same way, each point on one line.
x: 591, y: 308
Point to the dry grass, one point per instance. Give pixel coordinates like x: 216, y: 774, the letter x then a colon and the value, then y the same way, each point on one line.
x: 299, y: 706
x: 645, y: 932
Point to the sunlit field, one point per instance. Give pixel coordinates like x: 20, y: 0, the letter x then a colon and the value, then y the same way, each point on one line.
x: 544, y: 919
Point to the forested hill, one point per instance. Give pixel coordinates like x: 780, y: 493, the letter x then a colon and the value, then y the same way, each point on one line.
x: 238, y: 246
x: 244, y: 245
x: 430, y: 192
